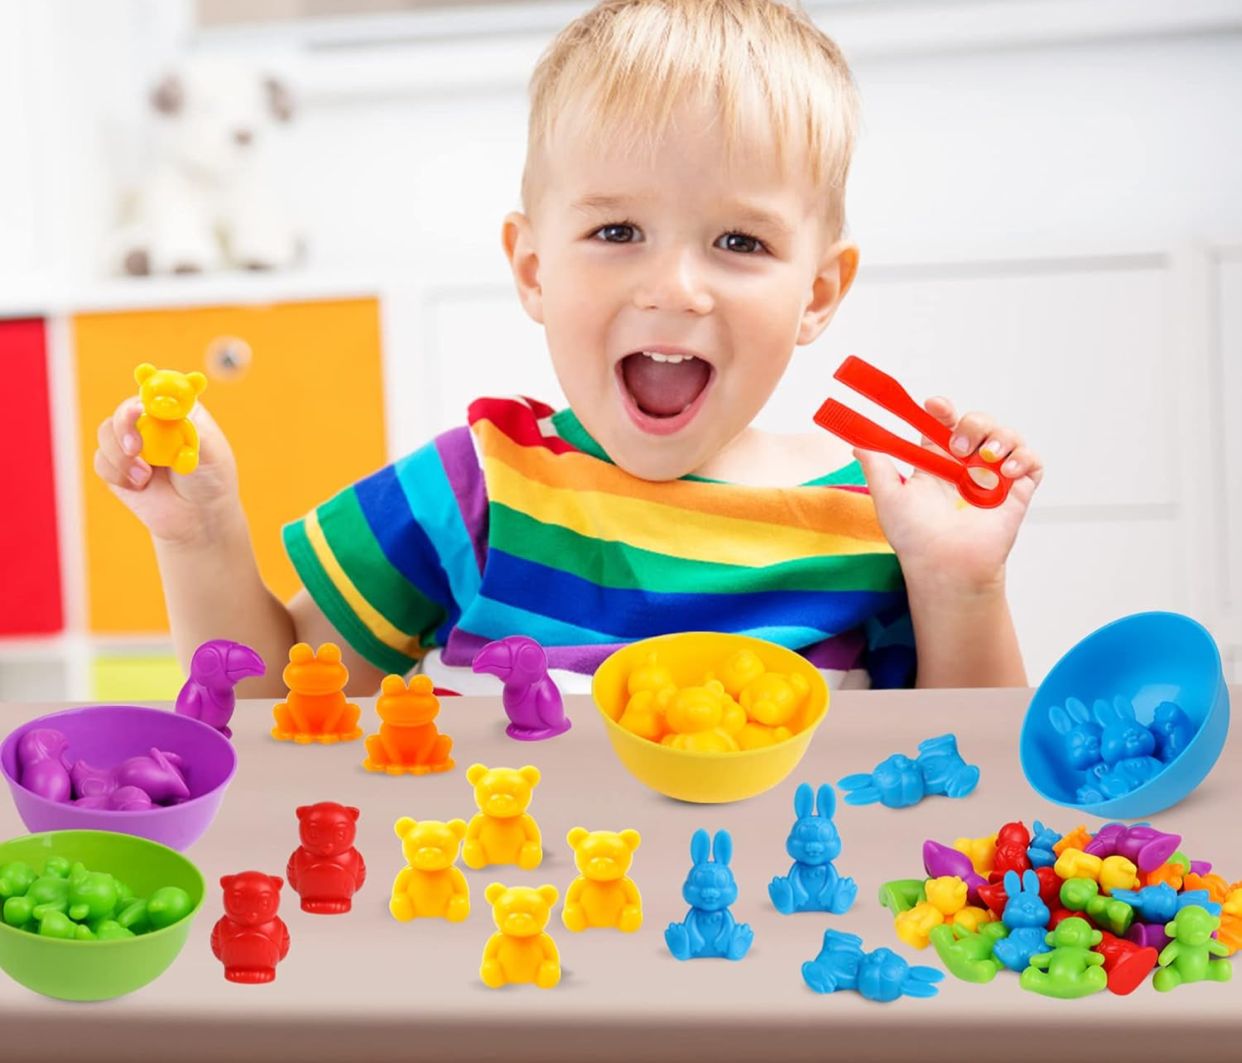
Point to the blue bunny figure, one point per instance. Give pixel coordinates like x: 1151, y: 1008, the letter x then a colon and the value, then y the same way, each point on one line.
x: 1039, y: 852
x: 896, y: 782
x: 836, y: 966
x: 944, y: 770
x: 881, y: 975
x: 813, y: 884
x: 1080, y: 733
x: 709, y: 929
x: 1161, y: 903
x: 1173, y: 730
x: 1026, y: 916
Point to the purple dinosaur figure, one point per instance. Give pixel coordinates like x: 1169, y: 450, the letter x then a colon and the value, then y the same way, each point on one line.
x: 216, y: 667
x: 532, y: 700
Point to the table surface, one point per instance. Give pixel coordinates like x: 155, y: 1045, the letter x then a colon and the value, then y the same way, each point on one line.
x: 363, y: 983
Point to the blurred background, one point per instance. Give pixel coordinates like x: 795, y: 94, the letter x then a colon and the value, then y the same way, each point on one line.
x: 302, y: 199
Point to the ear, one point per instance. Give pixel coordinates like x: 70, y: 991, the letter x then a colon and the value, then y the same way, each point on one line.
x: 197, y: 381
x: 275, y: 882
x: 279, y: 99
x: 632, y: 839
x: 227, y: 881
x: 493, y: 892
x: 352, y: 812
x: 548, y: 894
x: 1059, y: 720
x: 575, y: 836
x: 827, y: 801
x: 144, y: 373
x: 403, y: 826
x: 1077, y: 710
x: 1030, y: 882
x: 804, y: 800
x: 168, y: 95
x: 832, y: 280
x: 457, y: 827
x: 302, y: 811
x: 1123, y: 708
x: 1013, y: 884
x: 700, y: 846
x: 722, y: 847
x: 531, y: 774
x: 517, y: 234
x: 1103, y: 712
x: 475, y: 772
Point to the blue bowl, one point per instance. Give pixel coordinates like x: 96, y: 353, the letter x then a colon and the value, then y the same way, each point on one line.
x: 1147, y: 658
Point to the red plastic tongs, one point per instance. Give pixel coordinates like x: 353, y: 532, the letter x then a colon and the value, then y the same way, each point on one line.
x: 867, y: 380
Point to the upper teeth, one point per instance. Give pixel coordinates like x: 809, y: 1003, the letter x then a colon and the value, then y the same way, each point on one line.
x: 658, y: 357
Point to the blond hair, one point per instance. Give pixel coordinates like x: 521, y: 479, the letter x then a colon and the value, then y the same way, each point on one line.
x: 761, y: 63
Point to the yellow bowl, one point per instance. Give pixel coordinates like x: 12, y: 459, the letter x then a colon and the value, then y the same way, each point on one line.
x: 706, y: 778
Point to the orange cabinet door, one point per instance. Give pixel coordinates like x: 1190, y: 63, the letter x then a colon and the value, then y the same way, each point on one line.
x: 297, y: 389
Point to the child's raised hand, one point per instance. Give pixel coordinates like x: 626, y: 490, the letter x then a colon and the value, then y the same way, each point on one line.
x: 174, y: 508
x: 938, y: 537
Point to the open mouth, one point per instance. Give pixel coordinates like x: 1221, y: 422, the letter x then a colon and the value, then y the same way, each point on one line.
x: 664, y: 389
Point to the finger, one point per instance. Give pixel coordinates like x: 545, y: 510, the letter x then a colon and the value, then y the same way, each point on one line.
x: 124, y: 426
x: 131, y: 475
x: 883, y: 479
x: 1024, y: 462
x: 131, y: 471
x: 1000, y: 443
x: 971, y: 431
x: 941, y: 409
x: 211, y: 442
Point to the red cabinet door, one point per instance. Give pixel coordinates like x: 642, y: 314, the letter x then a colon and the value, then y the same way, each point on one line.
x: 30, y: 598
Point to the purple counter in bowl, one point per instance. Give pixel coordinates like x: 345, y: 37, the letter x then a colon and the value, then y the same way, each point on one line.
x: 105, y: 735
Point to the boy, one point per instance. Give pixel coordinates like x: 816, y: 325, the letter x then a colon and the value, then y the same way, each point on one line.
x: 681, y: 233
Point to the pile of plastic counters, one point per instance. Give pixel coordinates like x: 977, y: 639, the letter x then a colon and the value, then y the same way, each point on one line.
x: 1074, y: 913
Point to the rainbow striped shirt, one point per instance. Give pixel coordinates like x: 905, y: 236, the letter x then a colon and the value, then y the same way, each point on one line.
x: 519, y: 523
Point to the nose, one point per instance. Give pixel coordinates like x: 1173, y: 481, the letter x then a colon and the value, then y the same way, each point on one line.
x: 673, y: 282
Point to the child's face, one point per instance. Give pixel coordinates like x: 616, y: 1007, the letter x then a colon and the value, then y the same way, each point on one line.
x: 717, y: 266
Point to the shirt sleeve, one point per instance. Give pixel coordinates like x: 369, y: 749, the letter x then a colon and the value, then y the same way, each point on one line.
x: 392, y: 559
x: 890, y: 660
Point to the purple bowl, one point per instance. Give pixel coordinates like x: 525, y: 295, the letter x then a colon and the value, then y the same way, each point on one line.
x: 105, y: 735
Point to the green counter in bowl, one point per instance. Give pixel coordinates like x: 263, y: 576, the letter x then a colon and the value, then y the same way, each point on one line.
x: 99, y: 970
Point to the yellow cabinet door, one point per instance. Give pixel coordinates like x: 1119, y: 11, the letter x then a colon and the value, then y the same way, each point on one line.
x: 296, y: 388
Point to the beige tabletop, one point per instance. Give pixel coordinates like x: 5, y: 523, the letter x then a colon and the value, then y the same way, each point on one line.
x: 362, y: 986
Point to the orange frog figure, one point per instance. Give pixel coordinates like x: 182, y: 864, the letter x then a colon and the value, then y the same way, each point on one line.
x: 169, y: 437
x: 315, y: 709
x: 408, y: 740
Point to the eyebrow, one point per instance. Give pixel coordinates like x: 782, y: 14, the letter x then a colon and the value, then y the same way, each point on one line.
x: 746, y: 213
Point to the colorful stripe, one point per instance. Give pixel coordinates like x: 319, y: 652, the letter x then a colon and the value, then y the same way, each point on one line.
x: 519, y: 523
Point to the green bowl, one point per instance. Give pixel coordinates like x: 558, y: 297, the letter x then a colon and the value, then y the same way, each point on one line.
x: 99, y: 970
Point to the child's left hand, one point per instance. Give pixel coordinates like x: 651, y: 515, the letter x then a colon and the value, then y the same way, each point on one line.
x: 940, y: 539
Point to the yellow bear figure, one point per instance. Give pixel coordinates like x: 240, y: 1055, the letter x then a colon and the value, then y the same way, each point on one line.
x: 697, y: 716
x: 644, y: 716
x: 741, y: 668
x: 502, y: 832
x: 520, y: 951
x: 772, y: 699
x: 169, y: 437
x: 757, y: 735
x: 429, y: 886
x: 603, y: 895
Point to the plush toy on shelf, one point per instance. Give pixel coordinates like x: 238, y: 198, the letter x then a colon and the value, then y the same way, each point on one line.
x: 212, y: 195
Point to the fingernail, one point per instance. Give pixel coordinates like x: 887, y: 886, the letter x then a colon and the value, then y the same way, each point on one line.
x: 139, y: 473
x: 959, y: 445
x: 990, y: 450
x: 131, y: 444
x: 1010, y: 467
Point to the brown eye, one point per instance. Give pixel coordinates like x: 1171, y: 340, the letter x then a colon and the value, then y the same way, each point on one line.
x: 617, y: 234
x: 739, y: 243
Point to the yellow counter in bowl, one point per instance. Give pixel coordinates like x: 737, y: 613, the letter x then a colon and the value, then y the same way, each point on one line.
x: 706, y: 778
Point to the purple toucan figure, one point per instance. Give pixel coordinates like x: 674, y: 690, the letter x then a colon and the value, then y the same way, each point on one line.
x: 532, y: 700
x: 215, y: 669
